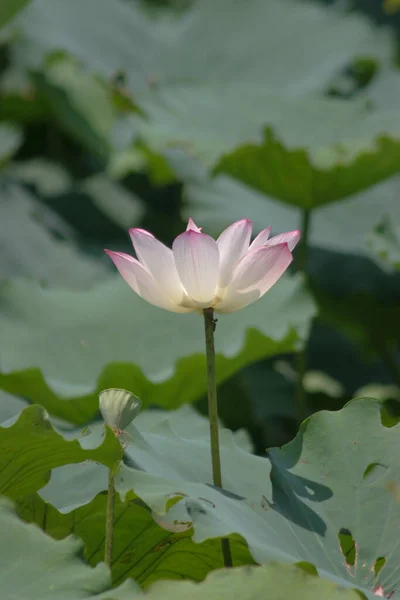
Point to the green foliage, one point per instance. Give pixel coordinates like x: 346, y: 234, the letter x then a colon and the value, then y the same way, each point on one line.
x: 281, y: 581
x: 118, y: 114
x: 345, y: 226
x: 32, y: 441
x: 143, y: 550
x: 290, y: 175
x: 290, y: 506
x: 50, y: 569
x: 69, y: 388
x: 55, y: 569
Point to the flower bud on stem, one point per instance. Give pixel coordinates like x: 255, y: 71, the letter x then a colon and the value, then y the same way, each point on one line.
x: 118, y: 408
x: 209, y: 326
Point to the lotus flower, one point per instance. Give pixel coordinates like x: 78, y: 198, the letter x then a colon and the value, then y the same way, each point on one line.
x: 199, y: 272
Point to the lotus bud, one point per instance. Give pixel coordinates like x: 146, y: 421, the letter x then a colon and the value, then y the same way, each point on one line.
x: 118, y: 408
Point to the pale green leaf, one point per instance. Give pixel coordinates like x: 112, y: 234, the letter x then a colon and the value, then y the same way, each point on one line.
x: 344, y: 226
x: 36, y: 567
x: 112, y: 338
x: 30, y: 448
x: 157, y: 56
x: 142, y: 550
x: 339, y: 476
x: 75, y: 485
x: 290, y: 174
x: 241, y: 44
x: 280, y: 582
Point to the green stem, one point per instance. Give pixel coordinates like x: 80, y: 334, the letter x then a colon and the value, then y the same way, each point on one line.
x: 209, y: 327
x: 110, y: 519
x: 301, y: 396
x: 301, y: 359
x: 302, y: 253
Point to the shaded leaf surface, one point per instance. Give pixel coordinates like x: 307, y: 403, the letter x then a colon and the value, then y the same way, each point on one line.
x: 51, y: 569
x: 31, y: 448
x: 142, y: 550
x: 337, y: 477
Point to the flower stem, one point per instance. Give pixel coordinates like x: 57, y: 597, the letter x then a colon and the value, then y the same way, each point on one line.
x: 110, y: 519
x: 301, y: 359
x: 302, y: 255
x: 209, y: 327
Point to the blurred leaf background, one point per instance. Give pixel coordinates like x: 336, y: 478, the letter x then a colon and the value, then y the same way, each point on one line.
x: 120, y: 113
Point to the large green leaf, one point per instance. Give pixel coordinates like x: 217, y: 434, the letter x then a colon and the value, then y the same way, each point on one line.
x: 36, y: 567
x: 74, y: 501
x: 75, y: 485
x: 142, y: 550
x: 185, y: 419
x: 76, y: 343
x: 328, y: 498
x: 30, y: 448
x: 240, y: 44
x: 324, y: 150
x: 292, y: 176
x: 344, y: 226
x: 53, y: 569
x: 276, y: 582
x: 240, y: 47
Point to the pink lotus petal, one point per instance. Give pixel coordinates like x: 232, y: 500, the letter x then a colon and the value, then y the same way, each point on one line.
x: 191, y: 226
x: 254, y: 275
x: 142, y: 282
x: 159, y: 262
x: 261, y: 239
x: 290, y: 237
x: 197, y: 262
x: 233, y: 244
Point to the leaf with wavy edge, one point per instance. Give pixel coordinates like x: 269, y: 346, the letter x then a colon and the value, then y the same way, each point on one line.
x: 142, y: 550
x: 112, y: 338
x: 31, y: 447
x: 339, y: 476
